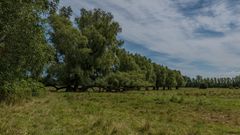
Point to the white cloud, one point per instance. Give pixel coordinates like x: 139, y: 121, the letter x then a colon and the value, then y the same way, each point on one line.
x: 160, y: 26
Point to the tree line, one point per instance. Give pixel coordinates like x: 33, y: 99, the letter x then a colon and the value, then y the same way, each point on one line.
x: 88, y: 54
x: 41, y: 44
x: 223, y: 82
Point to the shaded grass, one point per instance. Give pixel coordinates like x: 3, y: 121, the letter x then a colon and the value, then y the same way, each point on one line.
x: 185, y: 112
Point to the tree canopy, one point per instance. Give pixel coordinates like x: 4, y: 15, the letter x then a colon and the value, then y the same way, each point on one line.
x: 23, y: 46
x: 42, y: 42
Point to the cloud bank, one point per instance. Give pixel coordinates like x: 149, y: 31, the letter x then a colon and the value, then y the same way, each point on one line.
x: 194, y: 36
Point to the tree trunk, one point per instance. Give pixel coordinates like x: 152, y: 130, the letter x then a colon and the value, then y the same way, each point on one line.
x: 69, y: 88
x: 84, y: 88
x: 75, y: 88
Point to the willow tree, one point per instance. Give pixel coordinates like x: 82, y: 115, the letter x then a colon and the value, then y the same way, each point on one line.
x: 179, y: 79
x: 72, y: 52
x: 101, y: 31
x: 126, y: 62
x: 146, y: 68
x: 161, y: 73
x: 171, y: 79
x: 130, y: 73
x: 86, y: 53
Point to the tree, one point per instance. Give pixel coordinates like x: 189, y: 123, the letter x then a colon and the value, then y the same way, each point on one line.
x: 171, y: 79
x: 160, y: 76
x: 66, y: 12
x: 163, y: 77
x: 199, y: 78
x: 188, y: 81
x: 121, y: 81
x: 72, y: 52
x: 179, y: 79
x: 24, y: 51
x: 146, y: 67
x: 223, y: 82
x: 23, y: 48
x: 126, y: 62
x: 86, y: 53
x: 101, y: 31
x: 237, y: 81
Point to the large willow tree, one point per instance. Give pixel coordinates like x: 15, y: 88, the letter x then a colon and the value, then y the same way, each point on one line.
x: 101, y: 31
x: 89, y: 54
x: 86, y: 53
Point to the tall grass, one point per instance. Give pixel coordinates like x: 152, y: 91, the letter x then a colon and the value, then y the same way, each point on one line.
x: 180, y: 112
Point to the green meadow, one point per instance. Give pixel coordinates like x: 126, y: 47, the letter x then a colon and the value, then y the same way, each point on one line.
x: 176, y: 112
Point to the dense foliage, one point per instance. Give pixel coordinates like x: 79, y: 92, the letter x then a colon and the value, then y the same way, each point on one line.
x: 21, y: 90
x: 226, y: 82
x: 89, y: 55
x: 41, y: 43
x: 23, y: 47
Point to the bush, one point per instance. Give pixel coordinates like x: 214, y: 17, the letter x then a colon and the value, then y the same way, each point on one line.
x: 124, y: 80
x: 21, y: 90
x: 203, y: 86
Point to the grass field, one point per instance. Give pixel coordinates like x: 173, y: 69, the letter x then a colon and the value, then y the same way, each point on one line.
x: 182, y: 112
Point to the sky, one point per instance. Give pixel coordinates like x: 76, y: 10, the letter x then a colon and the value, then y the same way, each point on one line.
x: 197, y: 37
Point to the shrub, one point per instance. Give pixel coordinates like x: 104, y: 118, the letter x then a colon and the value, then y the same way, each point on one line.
x: 21, y: 90
x: 37, y: 89
x: 203, y: 86
x: 126, y: 79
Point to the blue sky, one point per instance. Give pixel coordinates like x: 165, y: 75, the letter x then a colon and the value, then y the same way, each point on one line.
x: 194, y: 36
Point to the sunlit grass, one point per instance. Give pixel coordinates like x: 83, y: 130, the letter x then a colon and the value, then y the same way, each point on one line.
x: 182, y: 112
